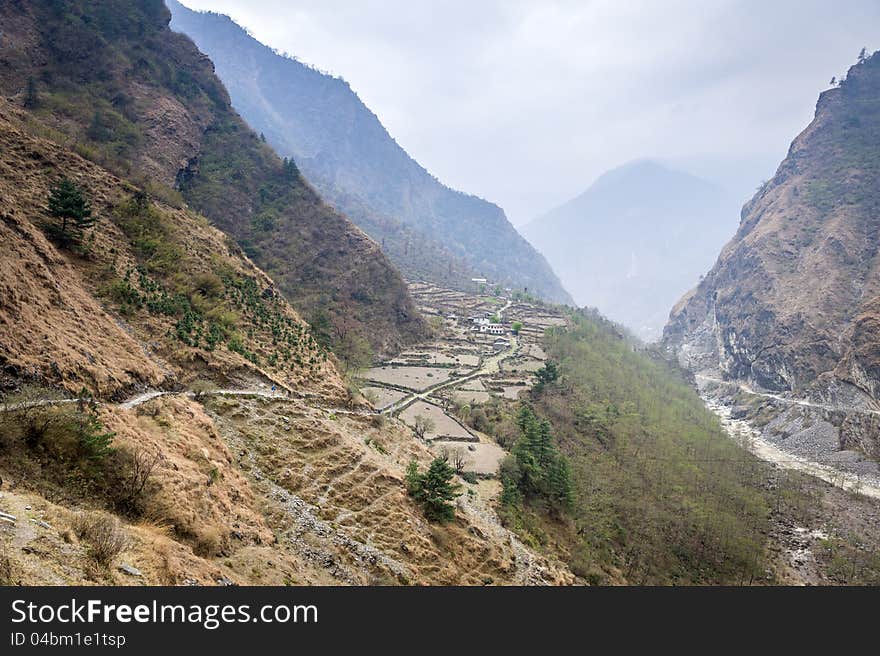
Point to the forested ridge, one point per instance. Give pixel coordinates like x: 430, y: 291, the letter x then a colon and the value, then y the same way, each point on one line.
x: 662, y: 495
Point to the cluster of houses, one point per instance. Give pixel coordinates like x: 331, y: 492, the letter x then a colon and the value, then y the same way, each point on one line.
x: 484, y: 325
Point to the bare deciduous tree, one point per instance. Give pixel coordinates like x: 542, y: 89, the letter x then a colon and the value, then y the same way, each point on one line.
x: 138, y: 467
x: 458, y: 460
x: 422, y: 426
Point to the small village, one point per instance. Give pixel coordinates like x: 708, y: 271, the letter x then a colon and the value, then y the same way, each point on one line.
x: 487, y: 346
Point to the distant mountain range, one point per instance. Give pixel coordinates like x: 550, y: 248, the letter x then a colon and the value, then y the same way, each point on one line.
x: 430, y: 231
x: 636, y: 240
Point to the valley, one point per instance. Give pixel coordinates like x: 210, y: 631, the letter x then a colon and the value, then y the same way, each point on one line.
x: 752, y: 440
x: 428, y: 229
x: 792, y: 433
x: 246, y: 339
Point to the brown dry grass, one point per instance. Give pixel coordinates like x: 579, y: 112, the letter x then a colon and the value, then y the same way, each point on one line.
x: 51, y: 321
x: 103, y: 534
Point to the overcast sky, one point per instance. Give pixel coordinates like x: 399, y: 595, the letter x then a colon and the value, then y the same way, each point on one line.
x: 526, y: 102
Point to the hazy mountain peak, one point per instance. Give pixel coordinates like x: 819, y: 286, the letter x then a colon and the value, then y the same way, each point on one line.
x: 635, y: 240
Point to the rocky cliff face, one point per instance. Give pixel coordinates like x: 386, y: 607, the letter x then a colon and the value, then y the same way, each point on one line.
x: 430, y: 231
x: 792, y: 301
x: 794, y: 294
x: 144, y: 102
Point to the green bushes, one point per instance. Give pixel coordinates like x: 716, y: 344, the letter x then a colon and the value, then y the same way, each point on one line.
x: 236, y: 345
x: 547, y: 374
x: 93, y: 442
x: 65, y: 447
x: 209, y: 284
x: 150, y: 234
x: 210, y: 308
x: 69, y: 434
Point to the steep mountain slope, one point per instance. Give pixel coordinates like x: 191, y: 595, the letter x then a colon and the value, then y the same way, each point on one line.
x: 635, y: 241
x: 792, y: 301
x: 145, y: 102
x: 430, y: 231
x: 201, y: 485
x: 159, y: 297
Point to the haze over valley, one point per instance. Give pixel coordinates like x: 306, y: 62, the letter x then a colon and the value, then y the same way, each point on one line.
x: 636, y: 240
x: 410, y: 294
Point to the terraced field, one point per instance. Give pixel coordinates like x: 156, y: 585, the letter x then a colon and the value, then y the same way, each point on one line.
x: 443, y: 427
x: 464, y: 367
x: 414, y: 378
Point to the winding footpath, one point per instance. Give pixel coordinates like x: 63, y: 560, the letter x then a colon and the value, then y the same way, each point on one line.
x: 140, y: 399
x: 785, y: 399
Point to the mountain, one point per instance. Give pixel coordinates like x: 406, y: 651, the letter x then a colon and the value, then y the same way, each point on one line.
x: 157, y: 297
x: 167, y: 417
x: 430, y: 231
x: 792, y: 303
x: 635, y: 241
x: 206, y: 488
x: 144, y: 102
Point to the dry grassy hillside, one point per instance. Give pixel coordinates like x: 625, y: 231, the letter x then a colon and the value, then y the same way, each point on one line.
x: 127, y: 313
x: 225, y: 489
x: 257, y: 492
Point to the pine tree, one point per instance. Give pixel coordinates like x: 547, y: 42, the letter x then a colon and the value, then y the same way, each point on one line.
x: 510, y: 475
x: 31, y: 99
x: 434, y: 489
x: 290, y: 168
x: 559, y: 483
x: 538, y: 469
x: 525, y: 419
x: 68, y: 204
x: 527, y: 450
x: 548, y: 373
x: 413, y: 478
x: 544, y: 449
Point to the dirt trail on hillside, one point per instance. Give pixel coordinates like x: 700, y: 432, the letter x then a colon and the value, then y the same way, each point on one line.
x: 144, y: 397
x: 785, y: 399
